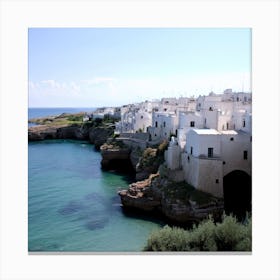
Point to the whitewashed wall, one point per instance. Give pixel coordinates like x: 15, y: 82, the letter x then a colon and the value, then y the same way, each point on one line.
x: 233, y: 147
x: 201, y: 143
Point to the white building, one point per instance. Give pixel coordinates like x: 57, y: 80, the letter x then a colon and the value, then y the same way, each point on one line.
x: 210, y: 155
x: 164, y: 125
x: 211, y: 135
x: 135, y: 118
x: 214, y: 141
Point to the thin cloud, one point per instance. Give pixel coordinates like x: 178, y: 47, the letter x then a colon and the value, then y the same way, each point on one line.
x: 51, y: 83
x: 99, y: 80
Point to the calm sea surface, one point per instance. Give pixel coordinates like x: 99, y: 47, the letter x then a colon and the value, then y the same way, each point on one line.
x: 44, y: 112
x: 73, y: 205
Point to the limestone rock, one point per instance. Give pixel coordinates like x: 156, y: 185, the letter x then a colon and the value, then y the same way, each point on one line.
x: 115, y: 158
x: 149, y: 195
x: 42, y: 132
x: 99, y: 135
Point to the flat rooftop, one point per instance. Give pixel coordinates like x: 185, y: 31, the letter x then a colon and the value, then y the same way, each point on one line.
x: 229, y: 132
x: 206, y: 131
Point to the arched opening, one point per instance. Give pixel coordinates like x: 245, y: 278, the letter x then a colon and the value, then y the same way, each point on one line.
x: 237, y: 193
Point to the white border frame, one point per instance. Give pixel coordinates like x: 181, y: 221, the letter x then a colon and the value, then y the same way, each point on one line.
x: 17, y: 16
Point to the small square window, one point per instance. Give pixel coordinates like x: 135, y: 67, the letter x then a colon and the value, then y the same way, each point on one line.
x: 192, y: 124
x: 231, y: 139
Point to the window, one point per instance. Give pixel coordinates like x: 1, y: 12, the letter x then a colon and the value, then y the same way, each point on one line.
x: 210, y: 109
x: 141, y: 117
x: 210, y: 152
x: 227, y: 125
x: 217, y: 181
x: 244, y: 124
x: 192, y: 124
x: 245, y: 155
x: 164, y: 124
x: 191, y: 150
x: 231, y: 139
x: 156, y: 124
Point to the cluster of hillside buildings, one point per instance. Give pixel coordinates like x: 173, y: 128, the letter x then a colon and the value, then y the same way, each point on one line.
x: 210, y: 136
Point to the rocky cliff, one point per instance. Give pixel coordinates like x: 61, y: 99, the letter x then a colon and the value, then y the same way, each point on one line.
x: 99, y: 135
x: 96, y: 135
x: 178, y: 202
x: 116, y: 156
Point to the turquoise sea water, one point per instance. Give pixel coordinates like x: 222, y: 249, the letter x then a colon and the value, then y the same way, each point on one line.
x: 73, y: 205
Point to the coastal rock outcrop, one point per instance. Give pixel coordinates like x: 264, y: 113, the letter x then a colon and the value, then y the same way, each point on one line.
x: 149, y: 162
x: 99, y: 135
x: 72, y: 132
x: 115, y: 157
x: 137, y: 196
x: 96, y: 135
x: 178, y: 202
x: 44, y: 132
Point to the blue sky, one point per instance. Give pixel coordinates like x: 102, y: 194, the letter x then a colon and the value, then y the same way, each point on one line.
x: 91, y: 67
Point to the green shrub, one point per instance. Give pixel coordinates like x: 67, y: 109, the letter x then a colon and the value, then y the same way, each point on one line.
x: 75, y: 118
x: 168, y: 239
x: 148, y: 157
x: 202, y: 237
x: 229, y: 235
x: 162, y: 147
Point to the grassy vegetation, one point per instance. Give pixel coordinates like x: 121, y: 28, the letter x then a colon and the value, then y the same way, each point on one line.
x: 162, y: 147
x: 61, y: 120
x: 153, y: 156
x: 229, y: 235
x: 74, y: 119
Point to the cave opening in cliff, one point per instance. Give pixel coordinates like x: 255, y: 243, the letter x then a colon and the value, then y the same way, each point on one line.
x: 237, y: 186
x: 120, y: 165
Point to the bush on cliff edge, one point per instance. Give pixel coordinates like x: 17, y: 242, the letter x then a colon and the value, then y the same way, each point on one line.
x: 229, y: 235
